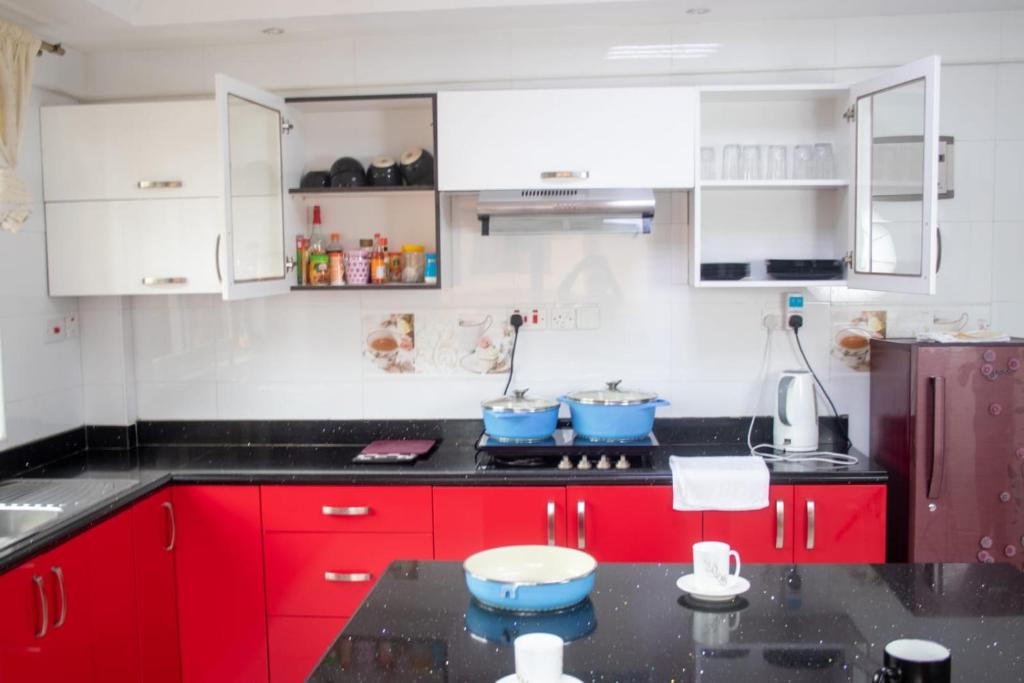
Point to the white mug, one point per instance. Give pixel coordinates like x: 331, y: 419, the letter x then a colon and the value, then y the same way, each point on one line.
x: 711, y: 564
x: 538, y: 658
x: 470, y: 331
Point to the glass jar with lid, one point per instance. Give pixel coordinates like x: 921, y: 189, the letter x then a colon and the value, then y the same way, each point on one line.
x: 415, y: 260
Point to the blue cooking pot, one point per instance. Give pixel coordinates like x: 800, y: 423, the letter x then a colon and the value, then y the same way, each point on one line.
x: 613, y: 414
x: 518, y: 418
x: 530, y: 578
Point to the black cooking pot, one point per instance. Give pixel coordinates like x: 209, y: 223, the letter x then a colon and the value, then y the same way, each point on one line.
x: 384, y: 172
x: 316, y: 179
x: 417, y: 167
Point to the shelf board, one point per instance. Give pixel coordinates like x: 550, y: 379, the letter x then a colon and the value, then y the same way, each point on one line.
x: 781, y: 284
x: 810, y: 184
x: 342, y: 288
x: 364, y: 191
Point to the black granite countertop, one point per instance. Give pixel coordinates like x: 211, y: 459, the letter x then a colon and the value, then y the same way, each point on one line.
x: 117, y: 471
x: 809, y: 623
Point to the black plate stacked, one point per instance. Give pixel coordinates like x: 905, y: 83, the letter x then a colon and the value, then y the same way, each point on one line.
x: 724, y: 271
x: 805, y: 269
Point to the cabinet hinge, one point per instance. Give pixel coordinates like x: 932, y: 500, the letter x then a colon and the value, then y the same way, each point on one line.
x: 850, y: 115
x: 286, y: 126
x: 848, y: 259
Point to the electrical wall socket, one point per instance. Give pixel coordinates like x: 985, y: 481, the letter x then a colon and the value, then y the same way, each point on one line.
x: 562, y: 318
x: 55, y: 331
x: 534, y: 317
x: 588, y: 317
x: 71, y: 325
x: 771, y: 321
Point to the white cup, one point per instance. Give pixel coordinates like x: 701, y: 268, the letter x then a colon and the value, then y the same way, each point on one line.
x: 711, y: 564
x: 539, y: 658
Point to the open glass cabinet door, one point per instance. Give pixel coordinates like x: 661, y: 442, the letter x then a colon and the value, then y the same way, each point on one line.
x: 252, y: 124
x: 894, y: 212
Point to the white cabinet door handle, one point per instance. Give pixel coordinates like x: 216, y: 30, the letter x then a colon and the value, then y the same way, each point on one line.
x: 810, y: 525
x: 337, y: 577
x: 780, y: 524
x: 157, y: 281
x: 345, y: 512
x: 581, y: 525
x: 159, y: 184
x: 564, y: 175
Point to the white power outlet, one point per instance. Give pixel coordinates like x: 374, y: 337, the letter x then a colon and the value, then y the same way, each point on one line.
x: 534, y: 317
x: 55, y: 331
x: 71, y: 325
x: 562, y: 318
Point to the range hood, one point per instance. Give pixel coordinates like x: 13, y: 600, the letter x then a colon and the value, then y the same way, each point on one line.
x: 562, y: 210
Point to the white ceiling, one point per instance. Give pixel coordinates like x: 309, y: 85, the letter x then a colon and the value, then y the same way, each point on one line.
x: 97, y: 25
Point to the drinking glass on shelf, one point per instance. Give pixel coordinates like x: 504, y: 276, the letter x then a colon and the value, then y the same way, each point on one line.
x: 750, y: 162
x: 731, y: 162
x: 824, y: 161
x: 803, y: 162
x: 776, y: 169
x: 707, y: 163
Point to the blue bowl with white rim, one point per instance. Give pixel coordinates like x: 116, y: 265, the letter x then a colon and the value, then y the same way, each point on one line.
x: 530, y: 578
x: 613, y: 414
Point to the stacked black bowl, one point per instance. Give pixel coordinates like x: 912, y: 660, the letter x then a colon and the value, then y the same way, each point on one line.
x: 724, y: 271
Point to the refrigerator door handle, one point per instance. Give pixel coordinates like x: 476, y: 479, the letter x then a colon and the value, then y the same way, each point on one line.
x: 938, y: 437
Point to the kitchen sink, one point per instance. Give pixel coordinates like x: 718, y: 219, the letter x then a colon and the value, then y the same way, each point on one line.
x: 18, y: 521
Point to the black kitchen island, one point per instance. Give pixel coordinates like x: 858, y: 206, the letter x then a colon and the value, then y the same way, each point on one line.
x: 808, y: 623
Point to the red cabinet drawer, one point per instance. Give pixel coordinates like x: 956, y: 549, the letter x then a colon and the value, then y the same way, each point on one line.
x: 347, y: 508
x: 298, y: 565
x: 298, y: 643
x: 840, y: 524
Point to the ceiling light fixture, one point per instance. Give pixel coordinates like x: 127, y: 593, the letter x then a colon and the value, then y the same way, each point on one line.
x: 698, y: 11
x: 273, y: 31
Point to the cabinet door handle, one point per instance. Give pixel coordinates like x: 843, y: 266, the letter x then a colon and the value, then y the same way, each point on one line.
x: 216, y: 257
x: 59, y: 573
x: 551, y: 522
x: 581, y: 525
x: 338, y: 577
x: 810, y: 525
x: 564, y: 175
x: 159, y: 184
x: 938, y: 436
x: 172, y: 528
x: 780, y: 524
x: 44, y: 607
x: 345, y: 512
x: 156, y: 281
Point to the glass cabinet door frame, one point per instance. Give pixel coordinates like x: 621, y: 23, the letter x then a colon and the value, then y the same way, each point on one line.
x: 926, y: 70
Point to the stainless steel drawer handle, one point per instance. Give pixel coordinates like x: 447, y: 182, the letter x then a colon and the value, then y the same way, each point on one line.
x: 156, y: 281
x: 59, y: 573
x: 551, y: 522
x: 159, y: 184
x: 338, y: 577
x: 564, y: 175
x: 172, y: 527
x: 780, y: 523
x: 581, y: 525
x: 44, y: 607
x: 810, y: 525
x: 331, y: 511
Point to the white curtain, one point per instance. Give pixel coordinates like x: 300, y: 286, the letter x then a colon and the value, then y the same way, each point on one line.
x: 18, y: 49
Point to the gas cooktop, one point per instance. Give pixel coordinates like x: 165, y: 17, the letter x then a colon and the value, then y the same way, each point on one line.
x: 564, y: 450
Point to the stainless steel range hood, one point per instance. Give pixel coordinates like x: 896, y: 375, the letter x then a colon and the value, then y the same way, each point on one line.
x: 563, y: 210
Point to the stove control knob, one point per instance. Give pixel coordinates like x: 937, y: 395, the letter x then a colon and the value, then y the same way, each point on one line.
x: 995, y: 409
x: 604, y: 463
x: 1004, y: 497
x: 1010, y: 550
x: 987, y: 369
x: 986, y: 557
x: 986, y: 542
x: 1013, y: 364
x: 584, y: 464
x: 565, y: 463
x: 623, y: 463
x: 989, y: 356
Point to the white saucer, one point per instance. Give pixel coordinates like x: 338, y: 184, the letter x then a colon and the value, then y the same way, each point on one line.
x: 735, y: 587
x: 512, y: 678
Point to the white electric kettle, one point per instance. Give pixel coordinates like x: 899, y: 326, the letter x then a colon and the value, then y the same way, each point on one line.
x: 796, y: 413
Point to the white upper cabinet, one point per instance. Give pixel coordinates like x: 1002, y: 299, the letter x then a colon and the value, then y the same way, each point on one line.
x: 602, y: 138
x: 130, y: 151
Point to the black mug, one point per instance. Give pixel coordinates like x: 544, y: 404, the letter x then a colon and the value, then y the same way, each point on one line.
x: 915, y: 661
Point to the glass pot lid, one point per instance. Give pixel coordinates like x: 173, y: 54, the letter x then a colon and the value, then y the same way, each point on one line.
x: 519, y: 403
x: 613, y: 396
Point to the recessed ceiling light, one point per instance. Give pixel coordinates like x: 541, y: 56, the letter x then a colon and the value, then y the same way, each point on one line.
x: 273, y: 31
x: 697, y: 11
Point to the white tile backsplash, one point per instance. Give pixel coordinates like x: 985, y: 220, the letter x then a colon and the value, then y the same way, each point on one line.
x: 1009, y: 180
x: 1009, y: 109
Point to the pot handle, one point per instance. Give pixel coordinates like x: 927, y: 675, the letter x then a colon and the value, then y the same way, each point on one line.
x: 660, y: 402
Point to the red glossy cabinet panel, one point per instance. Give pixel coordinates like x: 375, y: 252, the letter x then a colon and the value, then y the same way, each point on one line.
x: 316, y: 574
x: 468, y: 519
x: 298, y: 643
x: 630, y: 524
x: 24, y: 653
x: 347, y: 508
x: 762, y: 536
x: 219, y: 565
x: 154, y: 536
x: 840, y: 523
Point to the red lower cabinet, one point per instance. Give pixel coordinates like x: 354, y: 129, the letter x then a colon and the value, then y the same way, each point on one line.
x: 298, y: 643
x: 221, y: 602
x: 630, y: 524
x: 468, y: 519
x: 760, y: 536
x: 840, y: 524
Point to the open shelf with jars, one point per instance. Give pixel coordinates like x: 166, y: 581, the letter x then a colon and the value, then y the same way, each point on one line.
x: 388, y: 193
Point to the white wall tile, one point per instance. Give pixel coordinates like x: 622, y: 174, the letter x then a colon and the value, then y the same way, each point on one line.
x: 753, y: 45
x: 1009, y: 109
x: 1007, y: 268
x: 105, y: 404
x: 42, y: 415
x: 966, y: 272
x: 196, y: 400
x: 974, y: 168
x: 177, y: 344
x: 890, y: 41
x: 1008, y: 318
x: 967, y: 108
x: 1009, y: 179
x: 308, y: 398
x: 1012, y: 26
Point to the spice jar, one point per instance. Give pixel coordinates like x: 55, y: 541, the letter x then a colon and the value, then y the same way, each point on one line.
x: 395, y: 261
x: 415, y: 260
x: 336, y: 266
x: 430, y: 270
x: 319, y: 269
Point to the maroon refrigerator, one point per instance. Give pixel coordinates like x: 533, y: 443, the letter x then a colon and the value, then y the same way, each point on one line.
x: 947, y: 422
